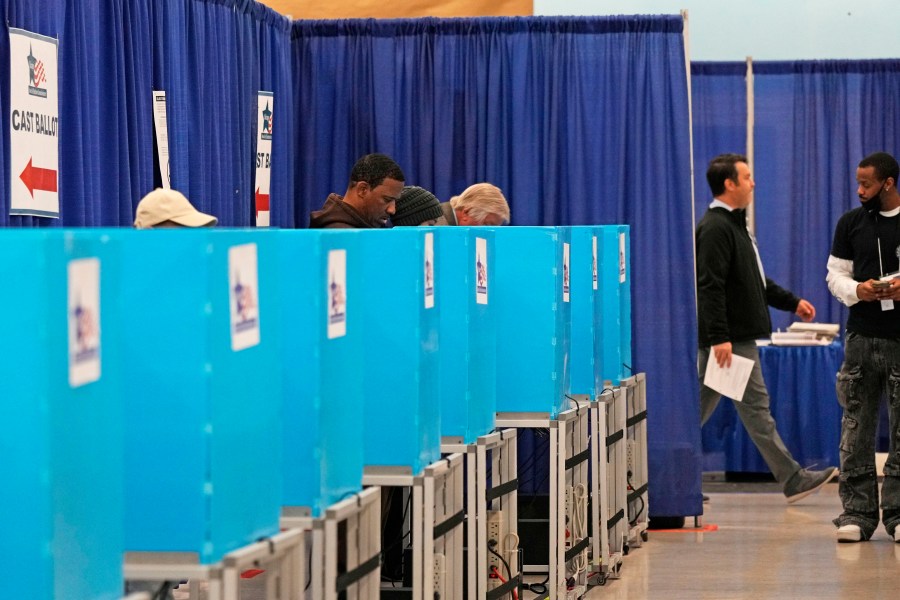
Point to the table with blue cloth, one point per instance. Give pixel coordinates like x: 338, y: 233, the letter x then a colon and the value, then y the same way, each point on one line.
x: 804, y: 404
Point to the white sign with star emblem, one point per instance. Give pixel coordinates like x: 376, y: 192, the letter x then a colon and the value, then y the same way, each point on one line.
x: 265, y: 105
x: 34, y: 124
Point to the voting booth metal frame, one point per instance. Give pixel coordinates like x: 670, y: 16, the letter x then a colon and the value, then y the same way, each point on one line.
x: 636, y: 459
x: 500, y: 448
x: 281, y: 555
x: 361, y: 515
x: 609, y: 483
x: 435, y: 523
x: 569, y: 456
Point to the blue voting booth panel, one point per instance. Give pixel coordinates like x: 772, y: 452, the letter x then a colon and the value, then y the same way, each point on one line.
x: 402, y: 408
x: 61, y: 431
x: 584, y: 283
x: 321, y: 329
x: 468, y: 363
x: 202, y: 399
x: 530, y: 284
x: 613, y: 304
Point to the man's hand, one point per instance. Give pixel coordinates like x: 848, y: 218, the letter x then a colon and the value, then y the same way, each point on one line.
x: 806, y: 311
x: 722, y: 352
x: 874, y: 290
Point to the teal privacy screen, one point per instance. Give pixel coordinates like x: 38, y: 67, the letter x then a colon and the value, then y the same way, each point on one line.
x: 584, y: 284
x: 322, y: 333
x: 613, y: 305
x: 202, y: 400
x: 533, y: 310
x: 61, y: 431
x: 402, y: 408
x: 468, y: 359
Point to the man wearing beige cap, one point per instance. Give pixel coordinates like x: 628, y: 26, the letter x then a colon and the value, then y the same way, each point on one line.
x: 161, y: 209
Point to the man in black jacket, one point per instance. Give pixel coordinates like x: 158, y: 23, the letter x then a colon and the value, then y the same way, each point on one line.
x: 733, y: 296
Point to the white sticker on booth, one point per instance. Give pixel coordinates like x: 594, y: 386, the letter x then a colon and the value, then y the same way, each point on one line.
x: 84, y: 321
x: 481, y: 271
x: 622, y: 257
x: 429, y: 270
x: 34, y: 124
x: 594, y: 260
x: 243, y: 294
x: 565, y: 272
x: 337, y: 293
x: 265, y: 104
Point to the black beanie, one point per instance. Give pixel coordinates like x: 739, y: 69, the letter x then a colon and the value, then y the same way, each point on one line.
x: 415, y: 206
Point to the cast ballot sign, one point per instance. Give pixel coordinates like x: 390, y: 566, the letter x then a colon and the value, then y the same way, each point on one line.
x: 34, y: 124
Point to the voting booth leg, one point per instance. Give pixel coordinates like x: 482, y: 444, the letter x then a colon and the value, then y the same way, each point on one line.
x: 353, y: 524
x: 437, y: 515
x: 617, y: 481
x: 604, y: 561
x: 496, y: 505
x: 636, y: 459
x: 568, y: 452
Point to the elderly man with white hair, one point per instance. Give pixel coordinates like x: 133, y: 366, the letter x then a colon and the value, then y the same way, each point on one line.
x: 479, y: 204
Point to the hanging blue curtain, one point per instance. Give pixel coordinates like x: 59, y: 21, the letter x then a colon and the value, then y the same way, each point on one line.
x: 578, y: 120
x: 209, y: 66
x: 815, y: 120
x: 719, y: 117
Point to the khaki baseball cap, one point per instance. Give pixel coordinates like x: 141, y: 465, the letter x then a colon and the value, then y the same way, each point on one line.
x: 162, y: 205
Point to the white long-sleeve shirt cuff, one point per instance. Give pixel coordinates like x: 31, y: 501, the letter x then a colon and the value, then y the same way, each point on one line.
x: 840, y: 280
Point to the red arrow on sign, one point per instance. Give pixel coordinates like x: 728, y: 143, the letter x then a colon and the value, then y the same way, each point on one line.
x: 262, y: 202
x: 36, y: 178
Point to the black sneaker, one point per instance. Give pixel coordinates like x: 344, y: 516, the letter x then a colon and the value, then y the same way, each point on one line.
x: 804, y: 482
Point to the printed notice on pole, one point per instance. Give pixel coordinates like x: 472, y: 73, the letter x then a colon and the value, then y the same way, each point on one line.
x: 34, y: 124
x: 265, y: 104
x: 160, y: 123
x: 732, y: 381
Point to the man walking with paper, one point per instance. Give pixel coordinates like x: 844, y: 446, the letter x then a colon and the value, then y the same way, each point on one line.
x: 733, y: 296
x: 862, y: 271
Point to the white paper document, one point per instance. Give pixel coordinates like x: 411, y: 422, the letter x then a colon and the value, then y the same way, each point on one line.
x: 732, y: 381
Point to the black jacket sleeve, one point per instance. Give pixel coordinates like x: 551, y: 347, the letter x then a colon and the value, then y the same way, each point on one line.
x: 715, y: 249
x: 780, y: 298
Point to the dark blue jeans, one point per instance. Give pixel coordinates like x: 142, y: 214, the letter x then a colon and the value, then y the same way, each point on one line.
x: 871, y: 369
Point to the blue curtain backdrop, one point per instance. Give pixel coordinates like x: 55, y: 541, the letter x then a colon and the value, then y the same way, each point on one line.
x: 578, y: 120
x: 211, y: 57
x: 719, y: 113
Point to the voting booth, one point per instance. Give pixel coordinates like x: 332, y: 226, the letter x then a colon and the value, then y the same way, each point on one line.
x: 531, y: 287
x: 61, y: 432
x: 468, y: 363
x: 202, y: 393
x: 613, y: 306
x: 322, y: 335
x: 400, y: 318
